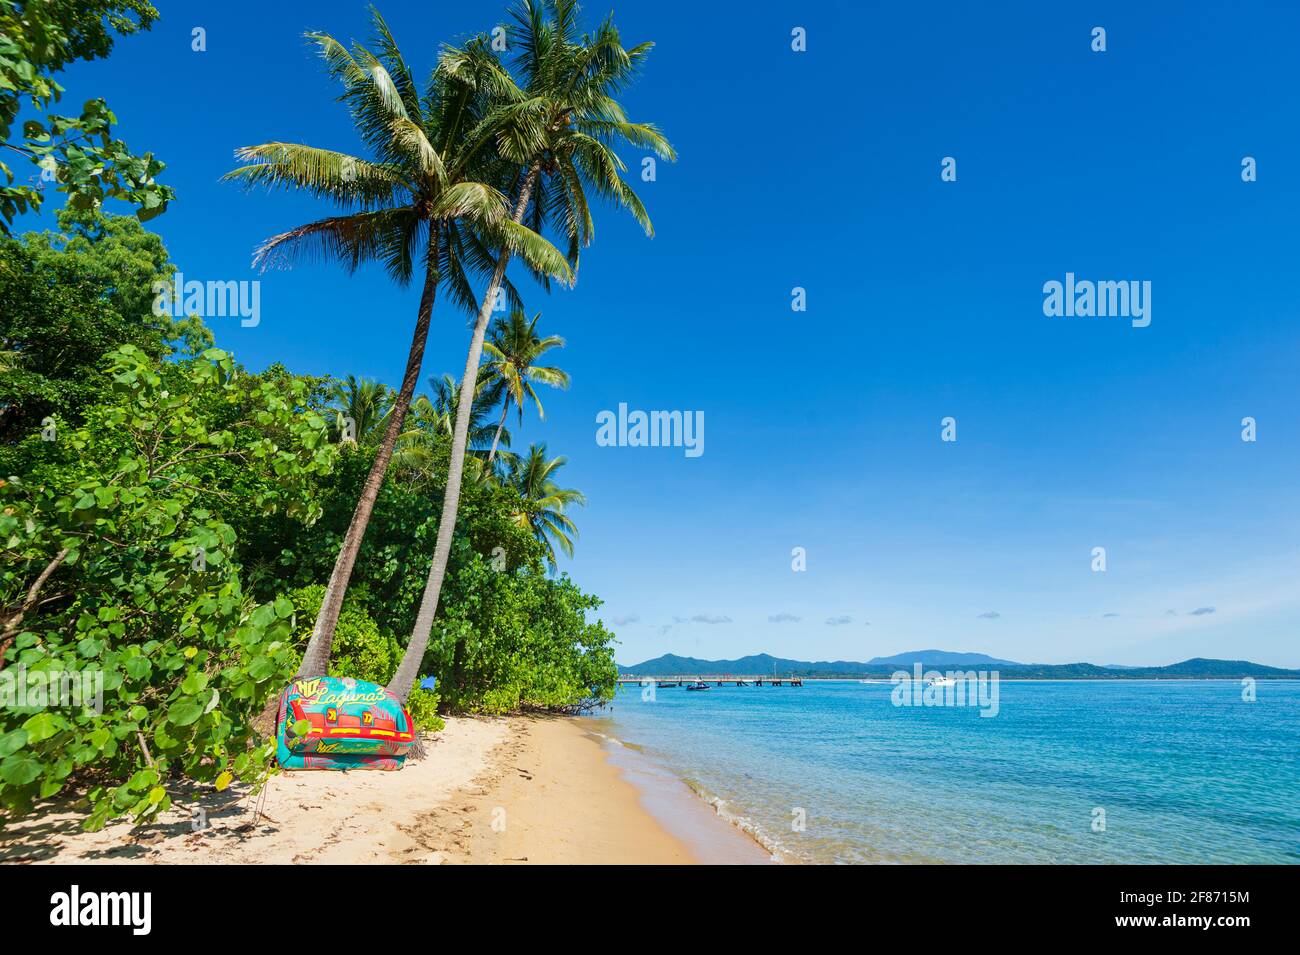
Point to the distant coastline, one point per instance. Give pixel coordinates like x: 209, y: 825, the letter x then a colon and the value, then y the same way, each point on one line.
x: 1197, y: 668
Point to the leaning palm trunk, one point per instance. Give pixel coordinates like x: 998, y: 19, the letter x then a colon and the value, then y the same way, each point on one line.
x: 403, y: 680
x: 316, y: 658
x: 496, y: 438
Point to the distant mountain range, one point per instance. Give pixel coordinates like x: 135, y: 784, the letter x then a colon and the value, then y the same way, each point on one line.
x: 1198, y: 668
x: 941, y: 658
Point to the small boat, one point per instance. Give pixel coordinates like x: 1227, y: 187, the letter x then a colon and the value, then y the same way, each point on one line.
x: 941, y: 681
x: 664, y: 685
x: 697, y: 686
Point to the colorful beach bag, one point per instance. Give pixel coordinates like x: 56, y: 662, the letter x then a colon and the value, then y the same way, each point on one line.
x: 351, y: 724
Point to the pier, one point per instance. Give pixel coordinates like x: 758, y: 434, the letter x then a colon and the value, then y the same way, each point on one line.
x: 718, y: 679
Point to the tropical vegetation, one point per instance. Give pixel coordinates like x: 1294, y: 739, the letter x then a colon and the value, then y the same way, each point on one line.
x: 185, y: 534
x: 74, y: 155
x: 424, y: 203
x: 556, y: 123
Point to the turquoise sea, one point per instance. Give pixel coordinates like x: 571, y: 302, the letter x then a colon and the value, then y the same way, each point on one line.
x: 1184, y: 771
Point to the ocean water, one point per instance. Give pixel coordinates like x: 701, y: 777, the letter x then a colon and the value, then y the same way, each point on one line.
x: 1185, y: 772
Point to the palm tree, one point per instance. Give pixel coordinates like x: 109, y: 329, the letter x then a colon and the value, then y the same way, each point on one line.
x: 556, y: 132
x: 424, y: 202
x: 513, y: 350
x: 542, y: 502
x: 413, y: 458
x: 366, y: 403
x: 413, y: 461
x: 487, y: 393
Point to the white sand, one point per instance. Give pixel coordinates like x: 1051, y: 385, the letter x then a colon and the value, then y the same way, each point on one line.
x: 514, y: 790
x: 306, y: 816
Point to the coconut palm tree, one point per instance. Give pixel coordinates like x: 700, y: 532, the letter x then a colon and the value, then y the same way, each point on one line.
x: 513, y: 350
x: 414, y: 461
x: 413, y: 458
x: 487, y: 394
x: 364, y: 402
x: 556, y: 130
x: 424, y: 204
x: 542, y: 502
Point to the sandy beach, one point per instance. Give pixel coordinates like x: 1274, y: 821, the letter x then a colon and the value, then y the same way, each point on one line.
x: 512, y: 790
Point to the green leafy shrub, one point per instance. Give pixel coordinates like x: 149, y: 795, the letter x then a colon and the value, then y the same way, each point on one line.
x: 115, y: 561
x: 360, y: 651
x: 509, y: 640
x: 423, y: 705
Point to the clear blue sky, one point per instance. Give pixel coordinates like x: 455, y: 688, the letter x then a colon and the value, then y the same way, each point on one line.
x: 821, y: 169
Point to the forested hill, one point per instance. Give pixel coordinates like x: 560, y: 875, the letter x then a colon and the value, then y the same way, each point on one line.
x: 1198, y: 668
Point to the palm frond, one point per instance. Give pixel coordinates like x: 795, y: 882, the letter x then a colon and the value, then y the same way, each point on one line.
x: 383, y: 235
x: 391, y: 56
x: 344, y: 179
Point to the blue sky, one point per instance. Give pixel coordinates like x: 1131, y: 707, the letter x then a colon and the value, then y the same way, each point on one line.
x: 821, y: 170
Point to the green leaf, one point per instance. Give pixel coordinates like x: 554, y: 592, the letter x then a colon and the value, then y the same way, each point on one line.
x: 194, y: 683
x: 143, y: 779
x: 42, y: 726
x: 261, y: 668
x: 137, y: 667
x: 12, y: 741
x: 19, y: 769
x: 184, y: 712
x: 263, y: 616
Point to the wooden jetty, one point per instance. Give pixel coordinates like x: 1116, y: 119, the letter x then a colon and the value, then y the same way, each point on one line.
x: 719, y: 679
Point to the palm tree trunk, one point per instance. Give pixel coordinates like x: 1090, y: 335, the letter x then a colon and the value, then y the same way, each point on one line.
x: 316, y: 658
x: 505, y: 410
x: 403, y: 680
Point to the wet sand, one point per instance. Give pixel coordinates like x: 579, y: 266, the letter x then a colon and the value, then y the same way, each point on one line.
x: 557, y: 797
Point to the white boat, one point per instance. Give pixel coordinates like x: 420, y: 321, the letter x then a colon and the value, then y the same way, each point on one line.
x: 941, y: 681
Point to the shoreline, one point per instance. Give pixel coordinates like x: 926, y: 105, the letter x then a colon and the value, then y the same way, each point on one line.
x: 558, y: 795
x: 684, y: 809
x: 516, y: 790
